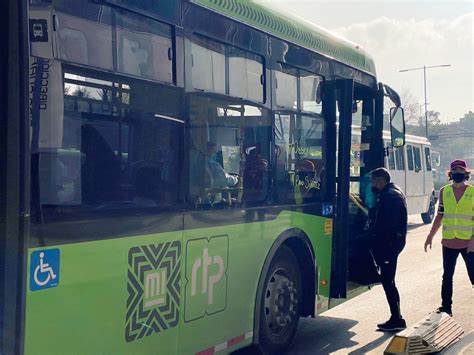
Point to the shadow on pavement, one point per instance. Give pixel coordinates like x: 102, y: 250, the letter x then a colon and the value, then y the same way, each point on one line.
x: 373, y: 344
x: 465, y: 345
x: 324, y: 335
x: 412, y: 226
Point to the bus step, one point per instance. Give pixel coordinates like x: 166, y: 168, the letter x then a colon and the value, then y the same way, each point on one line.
x: 432, y: 334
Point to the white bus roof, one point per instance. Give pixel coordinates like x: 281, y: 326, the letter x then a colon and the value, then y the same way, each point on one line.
x: 408, y: 137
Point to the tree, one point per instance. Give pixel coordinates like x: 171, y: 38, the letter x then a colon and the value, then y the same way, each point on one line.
x: 433, y: 117
x: 417, y: 126
x: 411, y: 108
x: 468, y: 116
x: 468, y: 122
x: 454, y: 140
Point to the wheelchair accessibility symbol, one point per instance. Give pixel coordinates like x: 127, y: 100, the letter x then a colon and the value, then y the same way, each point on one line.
x: 44, y: 269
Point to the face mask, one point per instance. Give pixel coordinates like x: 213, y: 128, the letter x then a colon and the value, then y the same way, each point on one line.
x: 375, y: 190
x: 458, y: 177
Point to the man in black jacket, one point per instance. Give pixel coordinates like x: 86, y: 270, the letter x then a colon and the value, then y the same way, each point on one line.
x: 389, y: 229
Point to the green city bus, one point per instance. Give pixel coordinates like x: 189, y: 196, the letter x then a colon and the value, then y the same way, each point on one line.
x: 180, y: 176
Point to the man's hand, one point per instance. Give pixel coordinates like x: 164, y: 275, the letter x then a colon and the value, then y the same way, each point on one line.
x: 470, y: 247
x: 428, y: 242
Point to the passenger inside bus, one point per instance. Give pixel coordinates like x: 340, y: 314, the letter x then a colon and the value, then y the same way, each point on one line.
x: 217, y: 177
x: 228, y: 156
x: 255, y: 177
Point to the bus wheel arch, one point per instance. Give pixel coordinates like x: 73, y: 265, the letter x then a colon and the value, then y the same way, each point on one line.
x: 297, y: 243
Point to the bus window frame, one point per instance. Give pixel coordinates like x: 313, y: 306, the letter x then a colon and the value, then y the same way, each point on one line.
x: 427, y: 154
x: 284, y: 68
x: 400, y: 153
x: 125, y: 13
x: 294, y: 115
x: 191, y: 87
x: 71, y: 215
x: 390, y: 158
x: 190, y: 205
x: 418, y: 164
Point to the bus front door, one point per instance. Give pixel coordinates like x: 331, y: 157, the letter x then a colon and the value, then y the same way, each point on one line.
x: 341, y: 96
x: 359, y: 150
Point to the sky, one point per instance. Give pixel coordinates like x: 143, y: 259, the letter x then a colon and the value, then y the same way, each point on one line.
x: 401, y: 34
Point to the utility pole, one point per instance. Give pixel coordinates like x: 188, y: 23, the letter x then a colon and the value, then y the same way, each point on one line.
x: 424, y: 81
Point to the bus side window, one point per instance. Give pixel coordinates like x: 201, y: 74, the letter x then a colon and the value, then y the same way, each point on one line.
x: 410, y: 157
x: 82, y: 38
x: 300, y: 158
x: 208, y: 65
x: 118, y: 150
x: 400, y: 158
x: 144, y: 47
x: 391, y: 157
x: 230, y: 154
x: 417, y: 153
x: 286, y: 83
x: 427, y: 159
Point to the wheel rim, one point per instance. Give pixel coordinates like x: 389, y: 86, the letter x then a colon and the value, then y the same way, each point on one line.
x: 280, y: 302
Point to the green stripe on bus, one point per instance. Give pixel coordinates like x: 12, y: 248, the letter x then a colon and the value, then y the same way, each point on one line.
x: 264, y: 19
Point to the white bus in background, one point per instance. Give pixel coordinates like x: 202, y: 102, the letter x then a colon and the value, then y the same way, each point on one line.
x: 439, y: 176
x: 411, y: 168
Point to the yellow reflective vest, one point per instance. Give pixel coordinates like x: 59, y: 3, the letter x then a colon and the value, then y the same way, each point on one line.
x: 458, y: 218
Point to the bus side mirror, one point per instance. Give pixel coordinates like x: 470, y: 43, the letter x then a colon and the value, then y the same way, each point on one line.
x: 397, y: 126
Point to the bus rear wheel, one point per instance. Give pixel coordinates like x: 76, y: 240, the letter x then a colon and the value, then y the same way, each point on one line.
x: 429, y: 215
x: 280, y: 304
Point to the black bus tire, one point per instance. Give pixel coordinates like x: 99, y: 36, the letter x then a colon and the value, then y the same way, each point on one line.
x: 429, y: 215
x: 280, y: 305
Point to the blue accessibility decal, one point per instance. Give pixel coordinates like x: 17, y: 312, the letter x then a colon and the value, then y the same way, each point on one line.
x: 44, y: 269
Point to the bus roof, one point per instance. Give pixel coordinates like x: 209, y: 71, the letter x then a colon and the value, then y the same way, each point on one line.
x: 294, y: 29
x: 409, y: 138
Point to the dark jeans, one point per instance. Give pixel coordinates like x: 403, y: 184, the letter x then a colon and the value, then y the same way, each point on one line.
x: 450, y: 257
x: 388, y: 269
x: 387, y: 259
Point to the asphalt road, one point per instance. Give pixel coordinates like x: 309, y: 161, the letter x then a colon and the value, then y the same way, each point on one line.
x: 351, y: 327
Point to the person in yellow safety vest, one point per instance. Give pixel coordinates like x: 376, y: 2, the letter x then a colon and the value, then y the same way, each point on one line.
x: 456, y: 214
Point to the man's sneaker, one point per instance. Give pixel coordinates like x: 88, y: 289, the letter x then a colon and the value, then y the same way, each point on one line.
x: 393, y: 324
x: 445, y: 310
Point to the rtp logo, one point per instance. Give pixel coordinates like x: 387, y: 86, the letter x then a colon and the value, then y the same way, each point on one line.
x: 44, y: 269
x: 206, y: 276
